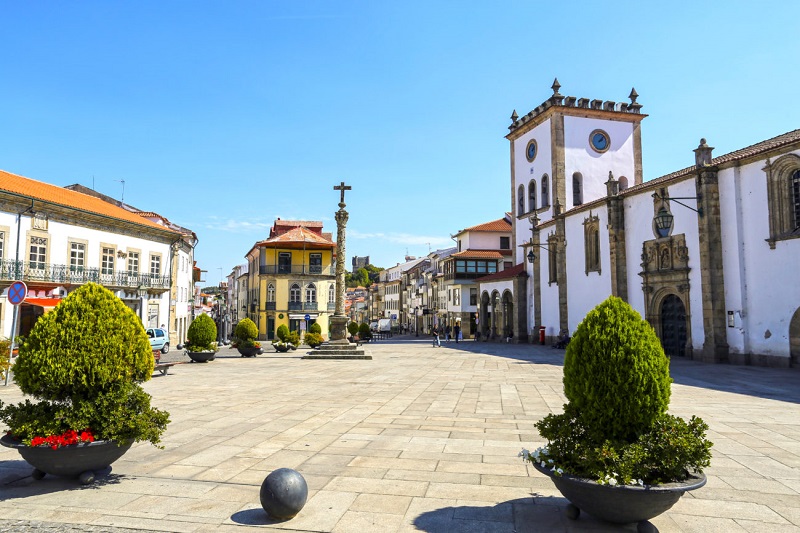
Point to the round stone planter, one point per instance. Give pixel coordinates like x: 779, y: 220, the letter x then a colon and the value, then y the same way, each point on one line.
x: 201, y: 357
x: 249, y: 352
x: 77, y: 460
x: 620, y: 504
x: 279, y: 348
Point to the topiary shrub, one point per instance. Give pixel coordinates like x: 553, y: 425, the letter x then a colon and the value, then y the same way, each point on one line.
x: 202, y: 334
x: 246, y: 332
x: 315, y: 328
x: 363, y: 331
x: 313, y: 339
x: 293, y: 338
x: 615, y: 428
x: 615, y: 350
x: 352, y: 328
x: 83, y: 360
x: 282, y: 332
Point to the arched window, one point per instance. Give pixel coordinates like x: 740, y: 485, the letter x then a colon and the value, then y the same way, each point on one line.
x: 591, y: 237
x: 795, y: 188
x: 270, y: 292
x: 577, y: 189
x: 783, y: 198
x: 545, y: 191
x: 532, y: 195
x: 521, y: 200
x: 311, y: 293
x: 332, y: 293
x: 294, y: 293
x: 623, y: 183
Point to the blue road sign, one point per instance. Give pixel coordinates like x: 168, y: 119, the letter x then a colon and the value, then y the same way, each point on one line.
x: 308, y: 317
x: 17, y: 293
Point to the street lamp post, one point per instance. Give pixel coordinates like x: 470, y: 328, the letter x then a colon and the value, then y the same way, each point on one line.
x: 416, y: 319
x: 141, y: 291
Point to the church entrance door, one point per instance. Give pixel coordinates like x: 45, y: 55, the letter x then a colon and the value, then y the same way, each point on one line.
x: 673, y: 326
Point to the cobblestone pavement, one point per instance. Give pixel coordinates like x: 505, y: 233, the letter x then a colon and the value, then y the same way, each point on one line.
x: 417, y: 439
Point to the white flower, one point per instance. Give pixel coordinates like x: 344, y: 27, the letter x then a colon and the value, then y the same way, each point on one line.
x: 524, y: 453
x: 543, y: 465
x: 559, y: 471
x: 612, y: 482
x: 640, y: 482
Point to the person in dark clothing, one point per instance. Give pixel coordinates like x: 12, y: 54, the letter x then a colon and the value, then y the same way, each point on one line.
x: 457, y: 331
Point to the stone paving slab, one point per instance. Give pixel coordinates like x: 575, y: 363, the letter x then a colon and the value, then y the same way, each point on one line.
x: 416, y: 439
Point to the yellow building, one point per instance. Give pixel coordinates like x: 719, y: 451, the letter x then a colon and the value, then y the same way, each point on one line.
x: 291, y: 278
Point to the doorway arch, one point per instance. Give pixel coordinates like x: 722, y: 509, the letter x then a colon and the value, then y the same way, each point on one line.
x: 673, y: 325
x: 794, y: 339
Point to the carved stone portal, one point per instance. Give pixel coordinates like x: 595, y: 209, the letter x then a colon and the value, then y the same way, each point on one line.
x: 665, y: 285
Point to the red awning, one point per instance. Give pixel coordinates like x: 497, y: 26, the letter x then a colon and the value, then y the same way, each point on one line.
x: 46, y: 303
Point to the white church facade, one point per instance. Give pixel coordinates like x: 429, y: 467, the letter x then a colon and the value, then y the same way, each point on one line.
x: 707, y: 254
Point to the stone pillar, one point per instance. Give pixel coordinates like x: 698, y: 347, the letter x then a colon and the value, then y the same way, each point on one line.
x: 616, y: 240
x: 338, y: 327
x: 715, y: 346
x: 519, y: 321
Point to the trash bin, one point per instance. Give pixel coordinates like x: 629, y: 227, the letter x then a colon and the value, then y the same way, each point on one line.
x: 541, y: 334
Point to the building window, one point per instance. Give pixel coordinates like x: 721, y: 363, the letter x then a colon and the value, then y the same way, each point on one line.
x: 552, y: 260
x: 107, y: 262
x: 2, y: 244
x: 456, y: 296
x: 532, y: 195
x: 473, y: 297
x: 545, y: 191
x: 77, y: 256
x: 284, y: 263
x: 270, y: 292
x: 591, y: 243
x: 133, y: 263
x: 783, y: 198
x: 311, y: 293
x: 294, y: 293
x: 332, y: 293
x: 315, y: 263
x: 521, y: 200
x: 505, y: 243
x: 155, y: 265
x: 577, y: 189
x: 38, y: 253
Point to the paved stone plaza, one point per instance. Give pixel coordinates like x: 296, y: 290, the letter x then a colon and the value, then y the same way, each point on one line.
x: 417, y: 439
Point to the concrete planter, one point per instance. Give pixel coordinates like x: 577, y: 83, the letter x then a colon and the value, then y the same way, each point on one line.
x: 201, y: 357
x: 620, y: 504
x: 77, y: 460
x: 249, y: 352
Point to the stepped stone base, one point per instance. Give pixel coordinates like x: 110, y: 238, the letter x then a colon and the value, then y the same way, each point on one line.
x: 337, y: 351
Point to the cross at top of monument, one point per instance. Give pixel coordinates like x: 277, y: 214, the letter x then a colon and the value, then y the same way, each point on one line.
x: 342, y: 188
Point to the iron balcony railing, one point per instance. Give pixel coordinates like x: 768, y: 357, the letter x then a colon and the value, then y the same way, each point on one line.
x: 12, y: 270
x: 270, y: 306
x: 317, y: 270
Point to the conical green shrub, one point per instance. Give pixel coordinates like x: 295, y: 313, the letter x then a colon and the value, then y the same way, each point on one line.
x: 616, y: 375
x: 202, y: 333
x: 246, y: 330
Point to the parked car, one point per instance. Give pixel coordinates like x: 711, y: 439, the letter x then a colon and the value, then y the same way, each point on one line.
x: 159, y: 340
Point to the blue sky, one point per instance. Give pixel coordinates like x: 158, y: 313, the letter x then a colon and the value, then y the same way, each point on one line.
x: 223, y: 116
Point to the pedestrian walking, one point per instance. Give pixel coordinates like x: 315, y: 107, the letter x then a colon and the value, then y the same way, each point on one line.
x: 435, y: 333
x: 447, y: 333
x: 457, y: 332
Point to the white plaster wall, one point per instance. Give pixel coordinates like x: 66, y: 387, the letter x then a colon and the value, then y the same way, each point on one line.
x: 549, y: 292
x: 524, y: 172
x: 483, y: 240
x: 61, y: 233
x: 584, y: 291
x: 594, y: 166
x: 760, y: 282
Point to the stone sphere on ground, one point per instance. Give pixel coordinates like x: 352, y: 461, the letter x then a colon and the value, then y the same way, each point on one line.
x: 284, y: 493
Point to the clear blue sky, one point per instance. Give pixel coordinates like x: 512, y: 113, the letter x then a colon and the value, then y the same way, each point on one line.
x: 223, y: 116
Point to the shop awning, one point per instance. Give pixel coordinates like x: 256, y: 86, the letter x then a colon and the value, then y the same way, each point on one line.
x: 47, y: 303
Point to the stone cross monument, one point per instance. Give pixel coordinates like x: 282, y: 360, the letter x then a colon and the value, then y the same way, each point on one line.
x: 338, y: 328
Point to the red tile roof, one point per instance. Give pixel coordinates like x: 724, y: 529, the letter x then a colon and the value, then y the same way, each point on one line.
x: 480, y: 254
x: 500, y: 224
x: 513, y: 272
x: 297, y: 237
x: 56, y: 195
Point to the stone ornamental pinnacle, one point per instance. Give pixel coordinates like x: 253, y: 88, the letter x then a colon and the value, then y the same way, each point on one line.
x: 339, y: 320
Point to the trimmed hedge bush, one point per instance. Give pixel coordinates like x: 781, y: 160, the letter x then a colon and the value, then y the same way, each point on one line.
x: 246, y: 330
x: 313, y: 339
x: 202, y: 333
x: 364, y: 332
x: 352, y: 328
x: 315, y: 328
x: 83, y: 361
x: 282, y: 332
x: 615, y: 350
